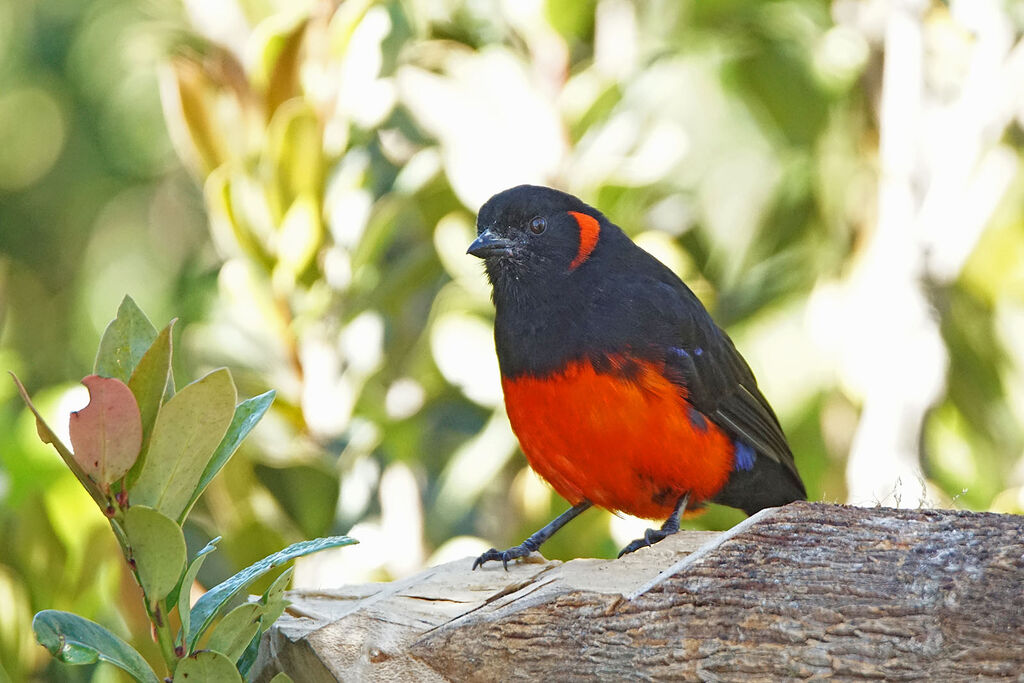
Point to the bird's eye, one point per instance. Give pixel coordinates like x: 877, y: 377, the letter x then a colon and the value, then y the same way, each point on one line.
x: 537, y: 225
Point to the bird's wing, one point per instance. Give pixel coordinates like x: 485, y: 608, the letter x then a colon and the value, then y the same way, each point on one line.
x: 703, y: 360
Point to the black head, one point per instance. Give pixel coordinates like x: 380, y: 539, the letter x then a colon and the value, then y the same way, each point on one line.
x: 568, y: 283
x: 534, y: 234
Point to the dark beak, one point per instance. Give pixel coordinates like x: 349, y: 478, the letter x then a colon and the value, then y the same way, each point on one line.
x: 487, y: 244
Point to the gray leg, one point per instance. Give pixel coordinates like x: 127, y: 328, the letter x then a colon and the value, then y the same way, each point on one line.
x: 534, y: 542
x: 652, y: 536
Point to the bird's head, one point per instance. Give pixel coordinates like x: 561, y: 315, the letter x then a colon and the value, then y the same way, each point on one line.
x: 533, y: 234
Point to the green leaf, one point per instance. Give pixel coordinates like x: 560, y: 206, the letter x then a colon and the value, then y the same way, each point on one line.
x: 236, y: 630
x: 158, y: 548
x: 280, y: 60
x: 299, y: 239
x: 231, y: 225
x: 206, y: 666
x: 124, y: 342
x: 206, y: 607
x: 295, y: 153
x: 248, y: 657
x: 107, y: 433
x: 574, y: 20
x: 247, y: 414
x: 344, y: 22
x: 274, y: 599
x: 281, y: 677
x: 194, y: 115
x: 187, y: 431
x: 75, y: 640
x: 273, y: 602
x: 185, y: 585
x: 148, y: 383
x: 46, y: 435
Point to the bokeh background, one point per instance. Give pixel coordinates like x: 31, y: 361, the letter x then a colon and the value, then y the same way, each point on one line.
x: 840, y: 182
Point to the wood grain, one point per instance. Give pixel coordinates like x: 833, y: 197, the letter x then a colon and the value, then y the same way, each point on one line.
x: 805, y: 591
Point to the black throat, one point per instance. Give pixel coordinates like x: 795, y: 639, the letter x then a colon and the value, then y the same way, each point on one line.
x: 536, y: 331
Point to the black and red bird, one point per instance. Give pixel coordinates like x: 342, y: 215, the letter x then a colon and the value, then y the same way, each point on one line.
x: 622, y: 390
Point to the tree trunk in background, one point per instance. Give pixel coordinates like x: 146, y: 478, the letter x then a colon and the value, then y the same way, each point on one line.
x: 809, y: 590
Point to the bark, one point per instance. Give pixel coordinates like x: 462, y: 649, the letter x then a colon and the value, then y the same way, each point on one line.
x: 808, y: 590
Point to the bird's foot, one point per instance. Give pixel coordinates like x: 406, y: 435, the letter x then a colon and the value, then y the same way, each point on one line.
x: 651, y: 536
x: 512, y: 553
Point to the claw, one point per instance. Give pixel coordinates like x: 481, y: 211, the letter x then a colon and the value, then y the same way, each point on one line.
x: 504, y: 555
x: 651, y: 536
x: 534, y: 541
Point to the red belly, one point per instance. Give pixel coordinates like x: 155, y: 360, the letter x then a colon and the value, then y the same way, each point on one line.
x: 622, y: 440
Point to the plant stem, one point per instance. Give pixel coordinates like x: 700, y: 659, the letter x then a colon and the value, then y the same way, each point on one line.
x: 160, y: 626
x: 164, y: 638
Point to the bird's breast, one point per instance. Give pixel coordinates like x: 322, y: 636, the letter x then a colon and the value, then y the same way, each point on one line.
x: 618, y: 433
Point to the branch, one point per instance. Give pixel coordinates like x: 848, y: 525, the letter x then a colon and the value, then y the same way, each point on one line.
x: 806, y: 590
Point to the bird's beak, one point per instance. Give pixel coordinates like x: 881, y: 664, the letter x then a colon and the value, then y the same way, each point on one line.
x: 488, y: 244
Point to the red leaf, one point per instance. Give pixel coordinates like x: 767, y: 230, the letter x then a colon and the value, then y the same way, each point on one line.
x: 107, y: 433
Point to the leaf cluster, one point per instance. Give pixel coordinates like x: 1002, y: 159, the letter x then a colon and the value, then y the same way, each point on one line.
x: 145, y: 453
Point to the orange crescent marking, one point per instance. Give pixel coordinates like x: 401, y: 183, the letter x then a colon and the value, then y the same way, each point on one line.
x: 590, y: 230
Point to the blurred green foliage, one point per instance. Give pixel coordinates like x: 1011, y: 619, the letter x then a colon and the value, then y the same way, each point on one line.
x: 312, y: 238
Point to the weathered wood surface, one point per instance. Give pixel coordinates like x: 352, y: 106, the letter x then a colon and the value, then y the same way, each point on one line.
x: 805, y: 591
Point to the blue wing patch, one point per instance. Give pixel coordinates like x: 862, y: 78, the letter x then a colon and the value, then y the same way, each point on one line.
x: 697, y: 419
x: 744, y: 457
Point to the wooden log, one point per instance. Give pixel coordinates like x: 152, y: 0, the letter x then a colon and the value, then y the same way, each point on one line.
x: 806, y: 591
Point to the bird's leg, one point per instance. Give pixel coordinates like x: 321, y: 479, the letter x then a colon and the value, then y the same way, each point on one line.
x: 652, y: 536
x: 534, y: 542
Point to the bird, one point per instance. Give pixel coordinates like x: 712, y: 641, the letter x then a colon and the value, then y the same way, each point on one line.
x: 622, y: 390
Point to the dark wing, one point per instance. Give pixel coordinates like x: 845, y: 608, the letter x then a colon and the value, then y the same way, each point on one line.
x: 721, y: 385
x: 702, y: 358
